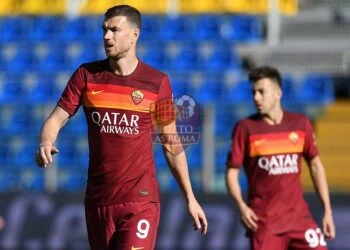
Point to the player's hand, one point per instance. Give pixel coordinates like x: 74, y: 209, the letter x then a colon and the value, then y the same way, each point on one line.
x: 199, y: 219
x: 43, y: 155
x: 249, y: 218
x: 328, y: 226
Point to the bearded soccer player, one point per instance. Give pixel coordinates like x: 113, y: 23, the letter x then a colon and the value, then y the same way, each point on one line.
x: 117, y: 94
x: 270, y: 146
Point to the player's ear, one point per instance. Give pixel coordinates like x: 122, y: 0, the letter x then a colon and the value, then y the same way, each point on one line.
x: 279, y: 92
x: 135, y: 35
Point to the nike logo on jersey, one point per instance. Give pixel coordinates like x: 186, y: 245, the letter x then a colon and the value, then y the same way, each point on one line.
x: 96, y: 92
x: 259, y: 142
x: 136, y: 248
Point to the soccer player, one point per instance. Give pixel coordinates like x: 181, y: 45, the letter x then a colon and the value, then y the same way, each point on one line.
x: 118, y: 95
x: 270, y: 145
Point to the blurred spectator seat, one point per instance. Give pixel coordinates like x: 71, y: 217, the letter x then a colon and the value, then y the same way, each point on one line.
x: 175, y: 28
x: 15, y: 119
x: 155, y: 55
x: 14, y: 28
x: 8, y: 180
x: 42, y: 89
x: 150, y: 28
x: 187, y: 58
x: 206, y: 27
x: 32, y: 179
x: 55, y: 59
x: 210, y: 91
x: 222, y: 58
x: 11, y: 88
x: 242, y: 28
x: 46, y: 28
x: 180, y: 87
x: 221, y: 154
x: 159, y: 157
x: 224, y: 120
x: 316, y: 88
x: 194, y: 156
x: 238, y: 92
x: 71, y: 180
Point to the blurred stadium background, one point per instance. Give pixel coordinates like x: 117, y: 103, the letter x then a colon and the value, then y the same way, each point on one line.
x: 206, y: 47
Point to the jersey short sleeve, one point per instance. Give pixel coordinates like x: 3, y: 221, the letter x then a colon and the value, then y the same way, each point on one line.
x: 238, y: 149
x: 165, y: 90
x: 164, y: 109
x: 310, y: 147
x: 71, y: 97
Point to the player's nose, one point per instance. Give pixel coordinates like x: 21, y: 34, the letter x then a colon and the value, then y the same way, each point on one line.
x: 256, y: 97
x: 107, y: 35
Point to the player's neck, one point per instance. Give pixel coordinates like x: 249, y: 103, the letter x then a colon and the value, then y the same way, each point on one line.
x: 124, y: 66
x: 274, y: 117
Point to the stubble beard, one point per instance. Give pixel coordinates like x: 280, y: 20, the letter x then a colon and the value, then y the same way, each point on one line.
x: 119, y: 54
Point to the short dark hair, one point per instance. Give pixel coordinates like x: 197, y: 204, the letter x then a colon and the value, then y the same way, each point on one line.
x: 132, y: 14
x: 259, y: 73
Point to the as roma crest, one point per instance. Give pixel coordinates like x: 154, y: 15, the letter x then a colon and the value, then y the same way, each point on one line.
x: 137, y: 96
x: 293, y: 137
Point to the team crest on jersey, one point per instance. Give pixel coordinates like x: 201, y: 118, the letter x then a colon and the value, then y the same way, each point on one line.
x: 137, y: 96
x: 293, y: 137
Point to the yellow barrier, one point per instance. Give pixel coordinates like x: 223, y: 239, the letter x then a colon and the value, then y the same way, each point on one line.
x: 32, y: 7
x: 98, y: 7
x: 203, y: 6
x: 333, y: 140
x: 144, y: 6
x: 6, y: 7
x: 287, y: 7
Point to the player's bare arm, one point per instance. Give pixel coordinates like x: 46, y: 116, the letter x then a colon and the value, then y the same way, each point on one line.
x: 248, y: 216
x: 48, y: 136
x: 319, y: 179
x: 176, y: 159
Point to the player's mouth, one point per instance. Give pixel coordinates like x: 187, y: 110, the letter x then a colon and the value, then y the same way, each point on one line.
x: 258, y: 106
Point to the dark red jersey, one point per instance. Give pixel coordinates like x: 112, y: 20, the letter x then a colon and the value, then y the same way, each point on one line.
x: 271, y: 156
x: 118, y: 110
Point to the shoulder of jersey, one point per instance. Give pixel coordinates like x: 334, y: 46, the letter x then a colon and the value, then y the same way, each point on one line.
x: 145, y: 72
x: 295, y: 116
x: 148, y: 69
x: 251, y: 119
x: 95, y: 65
x: 244, y: 122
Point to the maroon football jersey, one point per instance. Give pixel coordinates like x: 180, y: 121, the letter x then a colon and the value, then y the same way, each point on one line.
x: 118, y: 110
x: 271, y: 156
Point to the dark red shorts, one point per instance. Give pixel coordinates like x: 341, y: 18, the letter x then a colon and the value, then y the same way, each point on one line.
x: 303, y: 237
x: 125, y: 226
